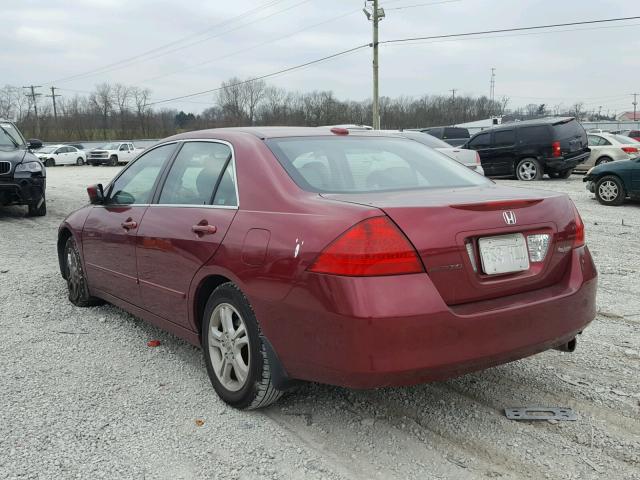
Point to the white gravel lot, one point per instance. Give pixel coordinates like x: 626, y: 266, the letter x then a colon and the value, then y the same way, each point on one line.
x: 82, y: 396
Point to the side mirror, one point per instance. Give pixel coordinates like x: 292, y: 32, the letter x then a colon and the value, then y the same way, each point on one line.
x: 34, y: 143
x: 96, y: 194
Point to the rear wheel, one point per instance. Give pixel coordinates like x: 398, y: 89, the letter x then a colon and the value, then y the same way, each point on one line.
x: 602, y: 160
x: 79, y: 161
x: 76, y: 279
x: 50, y: 162
x: 529, y: 169
x: 610, y: 191
x: 234, y: 351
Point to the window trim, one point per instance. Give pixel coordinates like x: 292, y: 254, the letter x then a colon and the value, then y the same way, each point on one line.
x: 155, y: 198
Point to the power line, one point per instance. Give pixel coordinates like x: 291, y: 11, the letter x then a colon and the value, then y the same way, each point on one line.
x: 279, y: 72
x: 158, y: 50
x: 504, y: 30
x: 404, y: 7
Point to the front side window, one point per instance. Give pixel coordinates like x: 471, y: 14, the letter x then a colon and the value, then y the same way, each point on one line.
x: 135, y: 185
x: 368, y: 164
x: 10, y: 137
x: 480, y: 141
x: 195, y: 173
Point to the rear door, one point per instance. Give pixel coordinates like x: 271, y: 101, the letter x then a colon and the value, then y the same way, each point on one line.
x: 183, y: 229
x: 109, y: 234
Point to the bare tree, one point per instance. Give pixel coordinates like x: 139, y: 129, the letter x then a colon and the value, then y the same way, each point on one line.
x: 141, y: 99
x: 102, y: 99
x: 254, y: 93
x: 122, y: 95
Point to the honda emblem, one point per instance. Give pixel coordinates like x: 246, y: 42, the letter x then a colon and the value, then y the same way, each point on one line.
x: 509, y: 217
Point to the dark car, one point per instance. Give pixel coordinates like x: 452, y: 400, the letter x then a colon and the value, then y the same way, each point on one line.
x: 614, y: 182
x: 22, y: 174
x: 79, y: 146
x: 532, y: 148
x: 358, y: 259
x: 454, y: 136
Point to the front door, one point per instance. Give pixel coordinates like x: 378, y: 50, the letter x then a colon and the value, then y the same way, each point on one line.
x: 481, y: 143
x: 183, y: 230
x: 109, y: 234
x: 503, y: 152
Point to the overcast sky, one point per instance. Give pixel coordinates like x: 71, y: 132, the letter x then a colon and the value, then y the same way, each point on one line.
x: 43, y: 42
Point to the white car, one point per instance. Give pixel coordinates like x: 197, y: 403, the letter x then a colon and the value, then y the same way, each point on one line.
x: 113, y: 154
x: 608, y: 147
x: 52, y: 155
x: 469, y: 158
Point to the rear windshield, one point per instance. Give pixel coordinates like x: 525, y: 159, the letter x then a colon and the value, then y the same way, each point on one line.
x: 570, y: 129
x: 426, y: 139
x: 368, y: 164
x: 451, y: 132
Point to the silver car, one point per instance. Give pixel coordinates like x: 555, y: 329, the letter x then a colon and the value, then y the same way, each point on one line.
x: 608, y: 147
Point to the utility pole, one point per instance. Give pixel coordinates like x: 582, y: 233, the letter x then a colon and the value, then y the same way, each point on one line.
x: 375, y: 15
x: 33, y: 95
x: 635, y: 104
x: 53, y: 99
x: 453, y: 93
x: 492, y: 89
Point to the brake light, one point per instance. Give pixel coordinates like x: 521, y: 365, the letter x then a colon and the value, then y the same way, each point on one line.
x: 630, y: 149
x: 477, y: 158
x: 373, y: 247
x: 555, y: 150
x: 577, y: 234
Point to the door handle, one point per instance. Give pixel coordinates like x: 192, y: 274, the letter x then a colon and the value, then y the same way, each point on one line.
x: 129, y: 224
x: 204, y: 229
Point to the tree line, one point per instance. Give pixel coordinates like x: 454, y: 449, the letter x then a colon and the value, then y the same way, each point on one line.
x: 117, y: 111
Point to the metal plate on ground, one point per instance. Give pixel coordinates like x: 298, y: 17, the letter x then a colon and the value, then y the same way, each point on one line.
x: 541, y: 413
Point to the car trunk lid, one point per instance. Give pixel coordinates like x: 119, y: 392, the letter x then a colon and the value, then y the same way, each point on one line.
x: 447, y: 228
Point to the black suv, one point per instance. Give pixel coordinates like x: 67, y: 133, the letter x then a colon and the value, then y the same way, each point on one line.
x: 454, y: 136
x: 532, y: 148
x: 22, y: 175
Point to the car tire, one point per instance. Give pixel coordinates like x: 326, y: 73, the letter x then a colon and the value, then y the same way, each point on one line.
x: 113, y: 161
x: 610, y: 191
x: 50, y: 162
x: 79, y: 161
x: 565, y: 173
x: 76, y: 279
x: 602, y: 160
x: 234, y: 347
x: 93, y: 164
x: 38, y: 209
x: 529, y: 169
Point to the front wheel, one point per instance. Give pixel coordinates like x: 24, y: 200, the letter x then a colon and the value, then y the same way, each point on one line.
x: 234, y: 351
x: 38, y: 208
x: 529, y: 169
x: 610, y: 191
x: 113, y: 161
x: 76, y: 279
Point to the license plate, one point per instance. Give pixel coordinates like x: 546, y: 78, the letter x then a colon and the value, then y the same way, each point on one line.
x: 504, y: 254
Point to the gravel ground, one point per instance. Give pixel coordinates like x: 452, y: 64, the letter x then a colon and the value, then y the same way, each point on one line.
x: 82, y: 396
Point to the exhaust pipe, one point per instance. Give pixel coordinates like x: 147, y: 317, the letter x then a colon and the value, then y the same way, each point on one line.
x: 570, y: 346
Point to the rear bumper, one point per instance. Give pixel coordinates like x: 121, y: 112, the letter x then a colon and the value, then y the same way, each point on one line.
x: 559, y: 164
x: 387, y: 331
x: 21, y: 191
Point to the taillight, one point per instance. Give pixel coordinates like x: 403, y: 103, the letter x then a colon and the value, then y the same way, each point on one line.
x: 373, y: 247
x: 577, y: 233
x: 555, y: 149
x: 630, y: 149
x: 478, y: 158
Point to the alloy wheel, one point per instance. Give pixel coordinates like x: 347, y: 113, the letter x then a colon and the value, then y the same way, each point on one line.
x: 608, y: 191
x: 527, y: 170
x: 74, y: 275
x: 229, y: 347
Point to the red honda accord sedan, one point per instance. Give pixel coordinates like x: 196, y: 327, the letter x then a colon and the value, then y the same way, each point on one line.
x: 360, y: 259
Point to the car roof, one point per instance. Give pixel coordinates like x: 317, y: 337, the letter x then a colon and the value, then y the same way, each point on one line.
x: 276, y: 132
x: 526, y: 123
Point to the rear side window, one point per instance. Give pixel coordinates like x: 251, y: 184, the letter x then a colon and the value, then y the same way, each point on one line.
x: 538, y: 134
x: 368, y: 164
x: 453, y: 132
x: 195, y: 173
x: 504, y: 138
x: 483, y: 140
